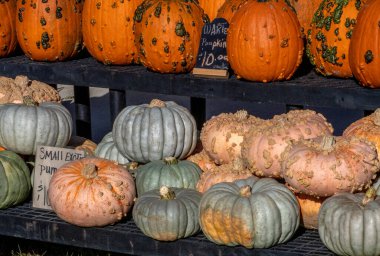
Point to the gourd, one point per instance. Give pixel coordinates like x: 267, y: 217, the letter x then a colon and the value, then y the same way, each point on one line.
x: 108, y: 30
x: 15, y: 179
x: 25, y: 126
x: 348, y: 224
x: 167, y: 214
x: 264, y: 41
x: 8, y: 38
x: 91, y: 192
x: 211, y: 7
x: 49, y: 30
x: 363, y: 53
x: 148, y: 132
x: 254, y: 213
x: 108, y: 150
x: 329, y: 37
x: 167, y: 172
x: 263, y: 146
x: 222, y: 135
x: 328, y: 165
x: 168, y: 33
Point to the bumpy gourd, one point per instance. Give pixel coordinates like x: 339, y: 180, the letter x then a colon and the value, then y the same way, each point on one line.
x: 8, y: 37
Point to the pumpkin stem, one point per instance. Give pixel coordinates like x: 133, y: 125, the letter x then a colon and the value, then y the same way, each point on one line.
x: 28, y: 100
x: 245, y: 191
x: 90, y: 171
x: 376, y: 118
x: 370, y: 195
x: 327, y: 142
x: 170, y: 160
x: 241, y: 114
x: 238, y: 164
x: 157, y: 103
x: 166, y: 193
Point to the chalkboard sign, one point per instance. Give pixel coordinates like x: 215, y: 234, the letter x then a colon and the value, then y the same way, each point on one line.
x: 47, y: 162
x: 212, y: 54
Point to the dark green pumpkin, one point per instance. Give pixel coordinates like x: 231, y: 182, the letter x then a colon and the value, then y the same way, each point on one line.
x: 15, y: 179
x: 168, y: 214
x: 169, y: 172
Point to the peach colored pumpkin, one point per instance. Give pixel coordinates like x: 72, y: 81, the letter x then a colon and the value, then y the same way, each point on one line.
x: 328, y: 165
x: 263, y: 147
x: 202, y: 160
x: 91, y: 192
x: 222, y: 135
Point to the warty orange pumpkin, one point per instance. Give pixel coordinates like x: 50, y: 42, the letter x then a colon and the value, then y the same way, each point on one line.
x: 8, y: 38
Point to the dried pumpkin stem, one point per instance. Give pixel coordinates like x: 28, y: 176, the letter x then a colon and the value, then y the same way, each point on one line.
x: 29, y: 101
x: 157, y: 103
x: 245, y: 191
x: 238, y: 164
x: 166, y: 193
x: 327, y: 142
x: 90, y: 171
x: 170, y: 160
x: 241, y: 114
x: 370, y: 195
x: 376, y: 118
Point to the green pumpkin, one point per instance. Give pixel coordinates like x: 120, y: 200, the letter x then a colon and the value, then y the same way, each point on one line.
x: 167, y: 214
x: 108, y: 150
x: 15, y: 179
x: 255, y: 213
x: 154, y: 131
x: 169, y: 172
x: 25, y: 126
x: 349, y: 224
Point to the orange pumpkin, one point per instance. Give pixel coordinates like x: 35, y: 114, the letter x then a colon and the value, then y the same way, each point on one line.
x: 264, y: 41
x: 202, y: 160
x: 108, y: 30
x: 49, y: 30
x: 168, y: 33
x: 8, y: 38
x: 364, y: 48
x: 91, y: 192
x: 211, y: 7
x: 228, y: 9
x: 309, y: 210
x: 305, y: 10
x: 329, y: 37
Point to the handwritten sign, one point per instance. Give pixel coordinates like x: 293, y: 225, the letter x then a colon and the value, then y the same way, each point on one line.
x: 212, y: 54
x: 47, y: 162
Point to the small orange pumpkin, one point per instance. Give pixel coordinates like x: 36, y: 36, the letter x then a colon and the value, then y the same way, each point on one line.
x: 305, y: 10
x: 310, y: 206
x: 202, y: 160
x: 8, y: 38
x: 211, y: 7
x: 228, y: 9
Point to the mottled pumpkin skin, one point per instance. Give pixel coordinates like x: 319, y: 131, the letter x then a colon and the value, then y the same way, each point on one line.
x: 211, y: 7
x: 305, y: 10
x: 89, y: 197
x: 322, y: 168
x: 364, y: 60
x: 168, y: 219
x: 266, y: 216
x: 15, y: 179
x: 167, y: 34
x: 49, y: 30
x: 108, y: 30
x: 8, y: 37
x: 108, y: 150
x: 228, y: 9
x: 348, y: 227
x: 264, y: 41
x: 329, y: 37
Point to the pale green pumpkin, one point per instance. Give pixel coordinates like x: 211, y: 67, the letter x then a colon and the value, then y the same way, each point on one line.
x: 108, y: 150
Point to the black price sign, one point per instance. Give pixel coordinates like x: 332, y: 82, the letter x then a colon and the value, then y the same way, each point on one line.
x: 212, y: 54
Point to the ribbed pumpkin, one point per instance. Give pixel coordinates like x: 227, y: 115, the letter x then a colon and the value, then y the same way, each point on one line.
x: 8, y: 37
x: 305, y: 10
x: 49, y: 30
x: 211, y: 7
x: 349, y: 224
x: 91, y: 192
x: 15, y: 179
x: 149, y: 132
x: 367, y: 128
x: 364, y: 60
x: 263, y: 146
x: 168, y: 33
x: 167, y: 172
x: 310, y: 207
x: 222, y: 135
x: 264, y: 41
x: 228, y: 9
x: 25, y: 126
x: 253, y: 212
x: 108, y: 150
x: 328, y: 165
x: 329, y: 37
x: 108, y: 30
x: 167, y: 214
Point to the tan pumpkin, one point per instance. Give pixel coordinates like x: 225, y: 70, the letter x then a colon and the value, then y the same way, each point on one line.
x: 8, y: 37
x: 211, y: 7
x: 235, y: 170
x: 310, y: 206
x: 91, y: 192
x: 223, y: 134
x: 263, y: 147
x: 202, y: 160
x: 328, y: 165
